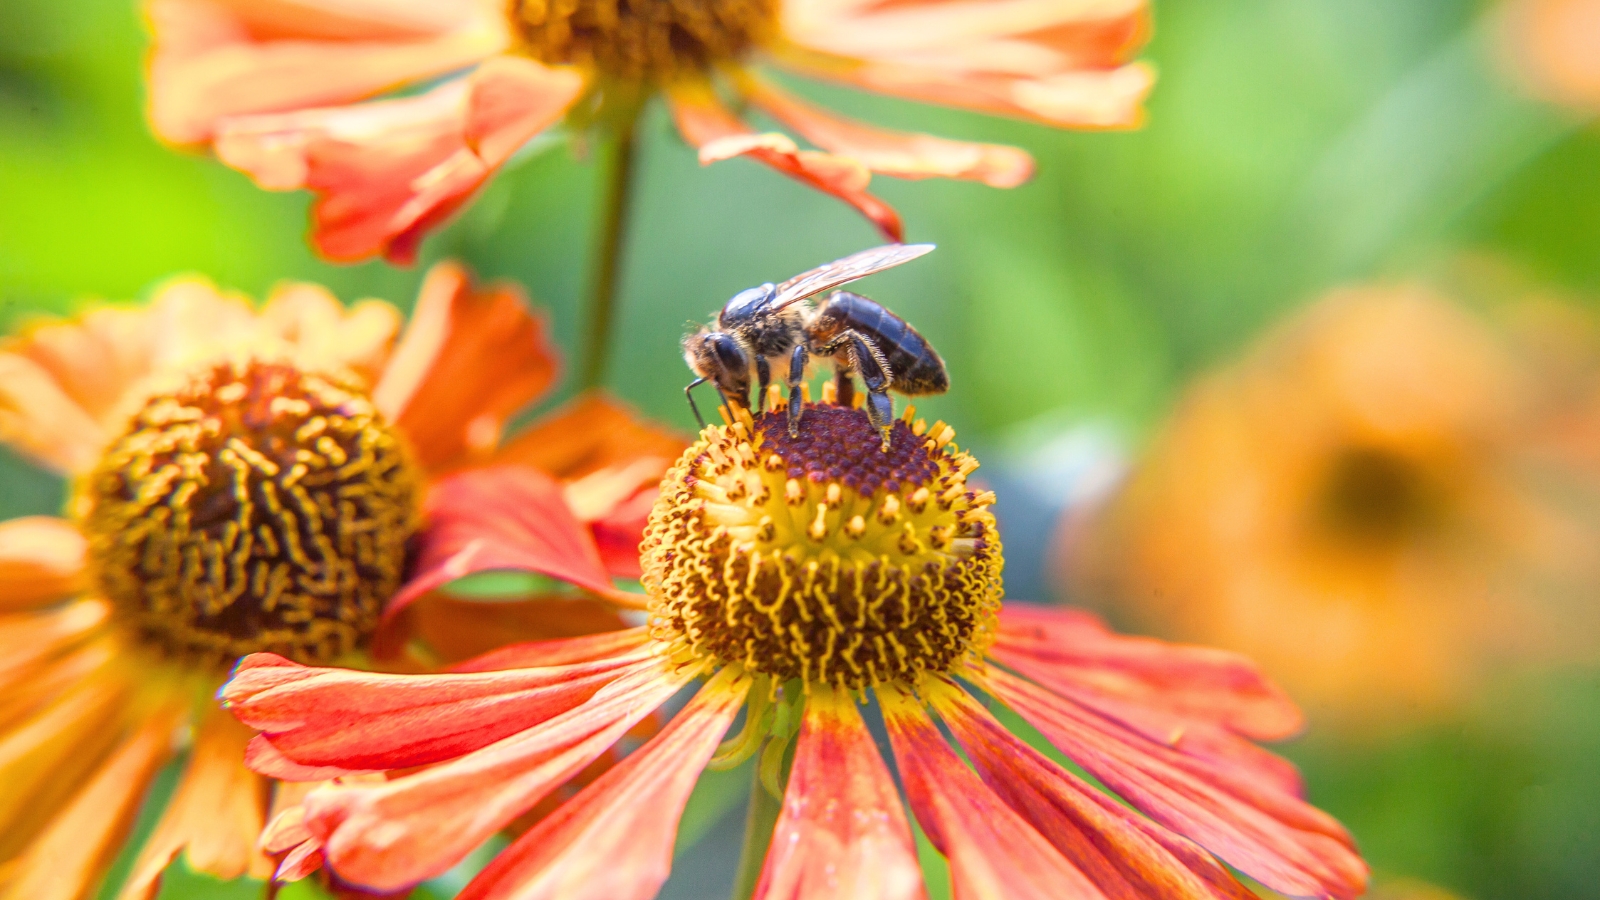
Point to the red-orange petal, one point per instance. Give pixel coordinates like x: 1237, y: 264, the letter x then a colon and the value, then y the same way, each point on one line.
x: 362, y: 721
x: 470, y: 358
x: 897, y: 153
x: 1273, y: 837
x: 504, y: 518
x: 842, y: 832
x: 613, y: 841
x: 67, y: 860
x: 214, y: 818
x: 390, y: 835
x: 457, y: 629
x: 212, y: 60
x: 591, y: 432
x: 1101, y: 837
x: 718, y: 134
x: 993, y: 852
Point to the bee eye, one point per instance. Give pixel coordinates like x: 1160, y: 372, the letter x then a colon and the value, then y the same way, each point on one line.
x: 727, y: 352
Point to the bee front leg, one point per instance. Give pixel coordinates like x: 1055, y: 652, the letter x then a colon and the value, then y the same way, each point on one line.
x: 763, y: 378
x: 689, y: 393
x: 797, y: 375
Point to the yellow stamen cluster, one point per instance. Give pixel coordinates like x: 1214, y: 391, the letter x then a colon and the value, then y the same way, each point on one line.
x: 258, y: 507
x: 642, y: 39
x: 822, y: 556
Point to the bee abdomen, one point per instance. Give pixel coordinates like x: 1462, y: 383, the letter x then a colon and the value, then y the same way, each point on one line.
x: 914, y: 366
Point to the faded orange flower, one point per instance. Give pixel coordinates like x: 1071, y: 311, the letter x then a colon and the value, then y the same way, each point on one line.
x: 795, y: 577
x: 251, y: 478
x: 1553, y: 46
x: 281, y: 89
x: 1363, y: 503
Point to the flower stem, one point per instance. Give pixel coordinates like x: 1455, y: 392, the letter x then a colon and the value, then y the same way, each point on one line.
x: 758, y: 825
x: 618, y: 187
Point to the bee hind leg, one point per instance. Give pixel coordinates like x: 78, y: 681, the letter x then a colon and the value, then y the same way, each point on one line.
x: 866, y: 359
x: 797, y: 375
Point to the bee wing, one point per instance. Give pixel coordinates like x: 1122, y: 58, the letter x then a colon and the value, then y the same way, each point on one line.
x: 841, y: 271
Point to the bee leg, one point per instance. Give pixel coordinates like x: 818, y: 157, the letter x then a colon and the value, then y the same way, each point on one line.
x: 688, y: 392
x: 797, y: 375
x: 763, y: 378
x: 869, y: 361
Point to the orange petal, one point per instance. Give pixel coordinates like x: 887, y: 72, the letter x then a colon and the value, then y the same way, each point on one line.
x: 326, y: 333
x: 40, y: 420
x: 470, y: 358
x: 718, y: 134
x: 44, y: 759
x: 566, y: 651
x: 1273, y: 837
x: 509, y: 517
x: 591, y: 432
x: 993, y: 852
x: 95, y: 356
x: 67, y: 861
x: 210, y: 60
x: 41, y: 559
x: 1097, y: 834
x: 391, y: 835
x: 456, y: 629
x: 1551, y: 45
x: 896, y: 153
x: 842, y: 832
x: 1197, y: 683
x: 214, y: 817
x: 29, y: 639
x: 363, y: 721
x: 613, y: 841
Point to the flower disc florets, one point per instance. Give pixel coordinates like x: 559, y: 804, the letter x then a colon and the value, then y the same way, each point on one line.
x: 821, y: 556
x: 258, y: 507
x: 642, y: 39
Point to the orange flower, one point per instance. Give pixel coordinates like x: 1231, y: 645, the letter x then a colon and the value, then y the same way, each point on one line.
x: 1351, y: 504
x: 798, y: 576
x: 273, y: 86
x: 1553, y: 46
x: 250, y: 479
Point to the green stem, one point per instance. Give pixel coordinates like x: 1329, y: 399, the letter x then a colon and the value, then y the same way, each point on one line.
x: 758, y: 826
x: 603, y: 279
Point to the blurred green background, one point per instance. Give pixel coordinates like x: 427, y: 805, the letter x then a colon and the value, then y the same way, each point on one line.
x: 1291, y: 145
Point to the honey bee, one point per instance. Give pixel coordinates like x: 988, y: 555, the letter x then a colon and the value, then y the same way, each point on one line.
x: 776, y: 331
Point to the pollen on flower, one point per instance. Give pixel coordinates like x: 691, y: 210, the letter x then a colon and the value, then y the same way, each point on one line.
x: 258, y: 507
x: 642, y: 39
x: 822, y: 556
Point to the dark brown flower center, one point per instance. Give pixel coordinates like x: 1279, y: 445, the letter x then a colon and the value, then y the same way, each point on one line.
x: 821, y: 556
x: 1372, y: 495
x: 257, y: 508
x: 642, y: 39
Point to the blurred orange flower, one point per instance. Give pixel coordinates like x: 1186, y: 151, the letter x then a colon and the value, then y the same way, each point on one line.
x: 252, y: 479
x: 273, y: 87
x: 1363, y: 504
x: 799, y: 577
x: 1553, y: 46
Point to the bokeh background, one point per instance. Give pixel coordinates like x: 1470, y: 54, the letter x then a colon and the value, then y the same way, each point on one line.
x: 1292, y: 147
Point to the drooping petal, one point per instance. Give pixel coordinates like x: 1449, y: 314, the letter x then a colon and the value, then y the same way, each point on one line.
x: 1194, y: 682
x: 214, y: 818
x: 390, y: 835
x: 48, y: 756
x: 901, y: 154
x: 41, y: 559
x: 67, y: 860
x: 470, y: 358
x: 1100, y: 836
x: 39, y: 419
x: 994, y: 853
x: 508, y: 517
x: 387, y: 172
x: 361, y: 721
x: 212, y: 59
x: 718, y: 134
x: 842, y: 832
x: 613, y: 841
x: 591, y: 432
x: 562, y: 652
x: 1274, y: 837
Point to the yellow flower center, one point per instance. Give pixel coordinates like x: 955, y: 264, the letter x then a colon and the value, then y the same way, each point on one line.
x: 821, y: 556
x: 259, y: 507
x: 637, y: 40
